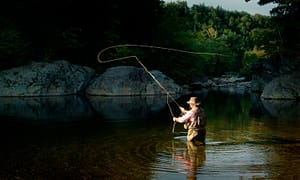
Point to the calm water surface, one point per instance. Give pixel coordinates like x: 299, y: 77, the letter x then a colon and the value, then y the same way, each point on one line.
x: 245, y: 140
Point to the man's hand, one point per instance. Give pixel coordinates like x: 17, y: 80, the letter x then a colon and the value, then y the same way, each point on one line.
x: 174, y: 119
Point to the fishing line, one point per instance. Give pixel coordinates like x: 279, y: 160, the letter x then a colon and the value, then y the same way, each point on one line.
x: 146, y: 69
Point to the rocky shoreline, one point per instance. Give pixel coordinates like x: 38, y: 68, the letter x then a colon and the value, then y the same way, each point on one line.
x: 50, y: 90
x: 63, y: 78
x: 226, y: 83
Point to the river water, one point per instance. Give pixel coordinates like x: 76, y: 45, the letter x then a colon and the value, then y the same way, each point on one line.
x: 131, y: 138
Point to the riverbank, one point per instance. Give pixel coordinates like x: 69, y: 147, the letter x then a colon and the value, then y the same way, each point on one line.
x: 63, y: 78
x: 227, y: 83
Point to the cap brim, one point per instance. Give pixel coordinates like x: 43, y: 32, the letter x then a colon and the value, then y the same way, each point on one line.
x: 192, y: 103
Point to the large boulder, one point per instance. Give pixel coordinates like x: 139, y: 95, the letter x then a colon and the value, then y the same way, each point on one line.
x: 45, y: 79
x: 264, y: 71
x: 284, y: 87
x: 129, y: 80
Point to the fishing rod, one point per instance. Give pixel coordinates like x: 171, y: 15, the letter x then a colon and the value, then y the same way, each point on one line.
x: 146, y: 69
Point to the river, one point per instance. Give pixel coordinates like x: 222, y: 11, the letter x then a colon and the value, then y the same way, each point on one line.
x: 131, y: 138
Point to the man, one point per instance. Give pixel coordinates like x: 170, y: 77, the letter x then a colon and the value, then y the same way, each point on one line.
x: 195, y: 121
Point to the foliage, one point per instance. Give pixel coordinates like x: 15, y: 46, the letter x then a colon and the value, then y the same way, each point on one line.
x: 77, y: 30
x: 249, y: 58
x: 286, y: 29
x: 13, y: 48
x: 207, y: 29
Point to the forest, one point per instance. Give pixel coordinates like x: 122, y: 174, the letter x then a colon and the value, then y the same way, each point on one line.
x: 76, y: 31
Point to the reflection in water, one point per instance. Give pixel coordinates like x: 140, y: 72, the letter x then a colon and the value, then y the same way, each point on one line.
x: 127, y: 107
x: 61, y: 108
x: 191, y: 158
x: 238, y: 145
x: 282, y: 108
x: 77, y: 107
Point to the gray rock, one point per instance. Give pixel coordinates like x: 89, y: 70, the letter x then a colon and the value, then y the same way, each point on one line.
x: 45, y: 79
x: 226, y: 83
x: 129, y: 80
x: 283, y: 87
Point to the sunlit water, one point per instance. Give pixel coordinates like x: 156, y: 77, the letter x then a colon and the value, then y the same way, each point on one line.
x: 243, y: 141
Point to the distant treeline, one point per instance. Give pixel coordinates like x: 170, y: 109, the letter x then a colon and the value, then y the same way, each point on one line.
x: 76, y: 31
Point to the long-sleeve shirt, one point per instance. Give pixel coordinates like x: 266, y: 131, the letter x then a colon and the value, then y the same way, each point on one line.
x: 188, y: 116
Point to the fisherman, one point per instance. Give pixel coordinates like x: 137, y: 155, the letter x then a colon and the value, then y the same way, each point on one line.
x: 195, y: 121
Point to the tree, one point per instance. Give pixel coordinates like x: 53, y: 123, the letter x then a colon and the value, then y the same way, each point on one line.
x: 75, y: 30
x: 285, y: 21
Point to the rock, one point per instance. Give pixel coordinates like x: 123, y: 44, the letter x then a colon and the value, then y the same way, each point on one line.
x: 283, y: 87
x: 45, y: 79
x: 227, y: 83
x: 129, y: 80
x: 264, y: 71
x: 201, y: 84
x: 226, y: 79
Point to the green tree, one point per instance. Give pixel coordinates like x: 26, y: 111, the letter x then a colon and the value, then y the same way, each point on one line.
x: 285, y: 22
x: 14, y: 49
x: 76, y: 30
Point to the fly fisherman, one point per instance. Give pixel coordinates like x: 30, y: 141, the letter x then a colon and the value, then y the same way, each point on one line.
x: 195, y: 121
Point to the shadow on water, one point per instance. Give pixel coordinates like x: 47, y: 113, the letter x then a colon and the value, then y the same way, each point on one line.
x: 71, y: 137
x: 127, y: 107
x: 72, y: 108
x: 131, y: 138
x: 53, y: 108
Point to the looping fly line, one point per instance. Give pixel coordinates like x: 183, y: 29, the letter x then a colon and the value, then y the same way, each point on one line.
x: 150, y: 47
x: 146, y: 69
